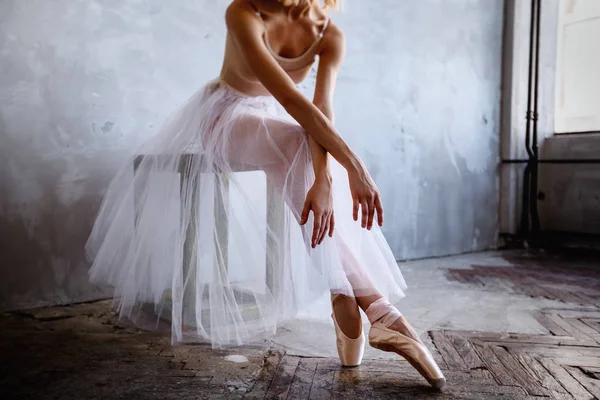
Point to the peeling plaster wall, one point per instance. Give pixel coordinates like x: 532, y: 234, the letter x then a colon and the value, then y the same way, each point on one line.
x: 82, y: 82
x: 420, y: 99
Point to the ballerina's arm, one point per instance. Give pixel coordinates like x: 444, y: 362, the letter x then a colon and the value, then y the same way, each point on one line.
x: 247, y: 32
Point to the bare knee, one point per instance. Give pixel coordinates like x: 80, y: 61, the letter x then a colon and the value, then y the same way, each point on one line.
x: 293, y: 141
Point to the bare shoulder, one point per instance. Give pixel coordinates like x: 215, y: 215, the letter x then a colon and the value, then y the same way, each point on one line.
x: 239, y: 12
x: 333, y: 43
x: 334, y: 32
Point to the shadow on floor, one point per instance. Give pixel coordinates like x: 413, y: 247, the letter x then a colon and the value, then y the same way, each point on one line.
x: 84, y: 352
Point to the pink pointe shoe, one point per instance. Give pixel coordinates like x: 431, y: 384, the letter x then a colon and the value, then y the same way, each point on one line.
x: 349, y: 350
x: 382, y: 315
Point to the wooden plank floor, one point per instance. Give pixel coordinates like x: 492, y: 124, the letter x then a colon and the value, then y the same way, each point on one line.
x: 563, y: 364
x: 83, y: 351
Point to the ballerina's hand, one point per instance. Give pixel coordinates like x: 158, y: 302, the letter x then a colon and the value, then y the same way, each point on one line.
x: 366, y: 195
x: 319, y: 199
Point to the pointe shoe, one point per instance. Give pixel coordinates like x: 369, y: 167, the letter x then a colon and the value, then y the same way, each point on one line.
x: 383, y: 338
x: 349, y: 350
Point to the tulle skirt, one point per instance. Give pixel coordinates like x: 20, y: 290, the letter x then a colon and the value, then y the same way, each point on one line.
x: 199, y: 228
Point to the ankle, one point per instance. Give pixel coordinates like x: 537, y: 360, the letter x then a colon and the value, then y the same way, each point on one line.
x: 382, y: 311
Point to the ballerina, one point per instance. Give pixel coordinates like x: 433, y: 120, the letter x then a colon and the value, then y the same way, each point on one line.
x: 182, y: 224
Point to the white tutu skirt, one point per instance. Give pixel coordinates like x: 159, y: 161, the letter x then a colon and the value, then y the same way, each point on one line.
x: 199, y: 230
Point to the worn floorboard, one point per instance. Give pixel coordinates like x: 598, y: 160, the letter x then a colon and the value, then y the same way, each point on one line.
x: 83, y: 352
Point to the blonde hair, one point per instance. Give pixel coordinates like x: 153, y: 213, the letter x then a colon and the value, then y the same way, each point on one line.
x: 334, y: 4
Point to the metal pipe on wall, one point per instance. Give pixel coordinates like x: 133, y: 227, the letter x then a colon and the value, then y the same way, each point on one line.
x: 530, y: 222
x: 535, y: 219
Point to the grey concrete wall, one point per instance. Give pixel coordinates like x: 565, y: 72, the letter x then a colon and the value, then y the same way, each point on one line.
x: 420, y: 99
x: 571, y: 192
x: 82, y: 81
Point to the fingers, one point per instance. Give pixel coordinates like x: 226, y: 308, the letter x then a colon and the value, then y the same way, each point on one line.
x: 324, y: 228
x: 355, y: 208
x: 316, y: 231
x: 379, y: 208
x: 331, y: 225
x: 366, y: 196
x: 324, y: 225
x: 364, y: 207
x: 305, y: 212
x: 371, y: 203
